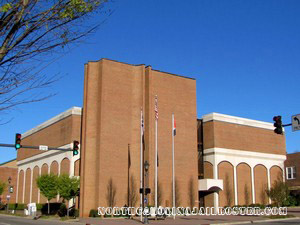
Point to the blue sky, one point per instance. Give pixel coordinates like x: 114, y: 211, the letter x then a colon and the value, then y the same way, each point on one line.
x: 243, y: 54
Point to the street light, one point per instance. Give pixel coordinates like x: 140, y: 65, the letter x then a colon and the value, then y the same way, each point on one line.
x: 146, y: 167
x: 8, y: 196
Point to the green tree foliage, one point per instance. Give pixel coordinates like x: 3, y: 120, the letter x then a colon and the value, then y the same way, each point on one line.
x: 68, y: 188
x: 2, y: 187
x: 48, y: 186
x: 279, y: 193
x: 31, y: 33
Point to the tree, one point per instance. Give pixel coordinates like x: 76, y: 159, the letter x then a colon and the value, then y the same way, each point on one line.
x: 191, y: 193
x: 228, y: 190
x: 279, y: 192
x: 159, y: 194
x: 111, y: 193
x: 68, y: 188
x: 263, y: 194
x: 133, y: 196
x: 177, y: 194
x: 246, y: 194
x: 32, y: 32
x: 2, y: 188
x: 48, y: 186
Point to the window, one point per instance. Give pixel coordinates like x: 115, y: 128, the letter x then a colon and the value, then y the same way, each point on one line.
x: 291, y: 172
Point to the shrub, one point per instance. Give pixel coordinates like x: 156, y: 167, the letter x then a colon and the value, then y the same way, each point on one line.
x: 94, y: 213
x: 53, y: 206
x: 39, y: 206
x: 291, y: 201
x: 2, y: 206
x: 279, y: 193
x: 75, y: 213
x: 17, y: 206
x: 62, y: 210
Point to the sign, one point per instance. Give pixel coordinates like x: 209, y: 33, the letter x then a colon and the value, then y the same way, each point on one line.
x: 43, y: 147
x: 296, y: 122
x: 7, y: 197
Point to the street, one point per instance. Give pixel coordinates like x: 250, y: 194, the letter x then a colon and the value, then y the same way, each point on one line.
x: 13, y: 220
x: 286, y: 222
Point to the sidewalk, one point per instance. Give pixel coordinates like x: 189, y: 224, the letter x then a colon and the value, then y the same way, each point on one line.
x: 182, y: 220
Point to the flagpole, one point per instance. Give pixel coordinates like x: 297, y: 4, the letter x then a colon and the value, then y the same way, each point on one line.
x: 156, y: 150
x: 141, y: 180
x: 173, y: 167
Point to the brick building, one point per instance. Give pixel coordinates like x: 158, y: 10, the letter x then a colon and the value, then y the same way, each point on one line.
x: 114, y: 94
x: 244, y: 154
x: 60, y: 131
x: 8, y: 174
x: 217, y: 157
x: 292, y: 173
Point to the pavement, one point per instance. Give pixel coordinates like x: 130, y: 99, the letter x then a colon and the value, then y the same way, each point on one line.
x: 182, y: 220
x: 17, y: 220
x: 279, y: 222
x: 191, y: 220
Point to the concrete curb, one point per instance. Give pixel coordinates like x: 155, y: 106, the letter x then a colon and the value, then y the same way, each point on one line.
x: 274, y: 220
x: 257, y: 221
x: 43, y: 219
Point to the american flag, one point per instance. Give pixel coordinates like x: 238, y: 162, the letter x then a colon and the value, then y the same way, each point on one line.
x: 142, y: 123
x: 156, y: 108
x: 174, y: 128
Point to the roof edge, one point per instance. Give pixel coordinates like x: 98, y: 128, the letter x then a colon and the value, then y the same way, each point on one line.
x: 72, y: 111
x: 237, y: 120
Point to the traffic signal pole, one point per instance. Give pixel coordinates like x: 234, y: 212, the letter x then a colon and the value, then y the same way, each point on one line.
x: 35, y: 147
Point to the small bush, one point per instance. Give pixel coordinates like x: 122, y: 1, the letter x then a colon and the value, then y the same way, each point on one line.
x: 291, y: 201
x: 39, y: 206
x: 17, y: 206
x: 261, y: 206
x: 62, y: 210
x: 75, y: 213
x: 2, y: 206
x: 54, y: 208
x: 94, y: 213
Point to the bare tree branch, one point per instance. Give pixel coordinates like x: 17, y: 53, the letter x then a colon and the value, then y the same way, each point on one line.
x: 32, y: 32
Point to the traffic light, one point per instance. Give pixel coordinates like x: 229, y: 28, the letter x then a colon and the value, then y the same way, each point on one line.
x: 18, y: 141
x: 75, y: 148
x: 277, y: 124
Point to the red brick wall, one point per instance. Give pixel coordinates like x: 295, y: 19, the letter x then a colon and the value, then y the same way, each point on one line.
x: 113, y: 96
x: 5, y: 173
x: 225, y: 172
x: 293, y: 160
x: 261, y: 184
x: 58, y: 134
x: 233, y: 136
x: 243, y: 171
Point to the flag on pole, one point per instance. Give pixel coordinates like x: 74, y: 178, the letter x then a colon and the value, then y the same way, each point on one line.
x: 156, y: 150
x: 174, y: 127
x: 142, y: 124
x: 129, y: 158
x: 173, y: 161
x: 143, y: 130
x: 156, y: 108
x: 141, y: 163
